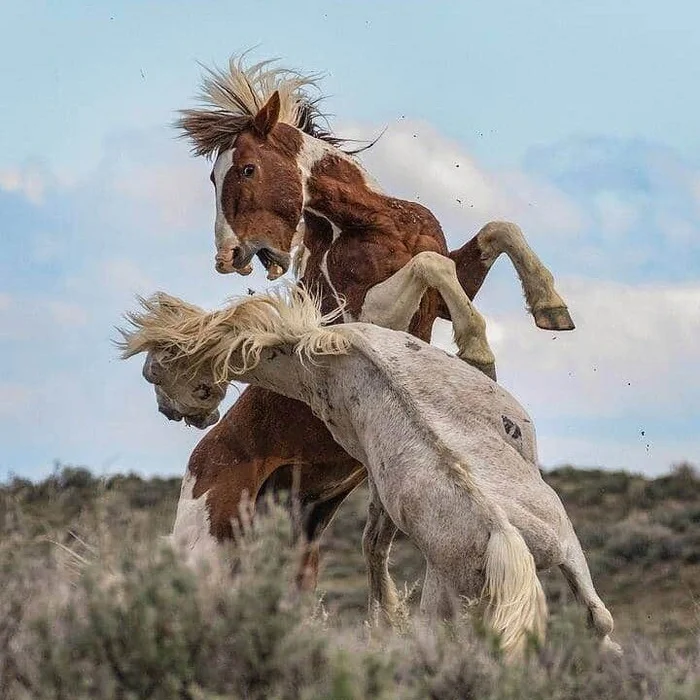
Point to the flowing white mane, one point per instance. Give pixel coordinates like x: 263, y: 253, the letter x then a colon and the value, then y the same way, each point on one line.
x: 231, y: 98
x: 243, y: 329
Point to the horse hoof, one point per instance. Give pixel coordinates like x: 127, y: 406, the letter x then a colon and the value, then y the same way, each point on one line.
x: 610, y: 648
x: 556, y: 318
x: 488, y: 368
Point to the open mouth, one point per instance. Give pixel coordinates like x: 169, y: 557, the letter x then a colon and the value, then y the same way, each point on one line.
x: 198, y: 420
x: 274, y: 262
x: 202, y: 421
x: 170, y: 413
x: 240, y: 260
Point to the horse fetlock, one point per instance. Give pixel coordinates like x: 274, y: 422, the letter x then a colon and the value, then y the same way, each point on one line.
x: 601, y: 620
x: 481, y: 357
x: 474, y: 348
x: 394, y: 609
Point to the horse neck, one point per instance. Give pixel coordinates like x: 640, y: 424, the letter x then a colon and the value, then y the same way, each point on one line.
x: 336, y: 187
x: 281, y: 370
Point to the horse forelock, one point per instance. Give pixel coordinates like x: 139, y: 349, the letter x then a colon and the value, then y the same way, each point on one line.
x: 231, y: 98
x: 186, y: 334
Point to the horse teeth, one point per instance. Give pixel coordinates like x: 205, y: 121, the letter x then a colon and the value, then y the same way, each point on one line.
x: 274, y: 271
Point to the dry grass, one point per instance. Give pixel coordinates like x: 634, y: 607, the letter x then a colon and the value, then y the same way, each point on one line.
x: 110, y: 612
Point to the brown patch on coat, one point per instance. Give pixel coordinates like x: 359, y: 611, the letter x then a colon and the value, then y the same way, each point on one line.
x: 380, y: 235
x: 261, y: 432
x: 264, y: 208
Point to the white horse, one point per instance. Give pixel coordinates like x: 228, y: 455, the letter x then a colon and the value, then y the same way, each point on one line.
x: 451, y: 456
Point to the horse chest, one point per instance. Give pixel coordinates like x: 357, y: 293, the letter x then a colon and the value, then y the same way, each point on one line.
x: 352, y: 267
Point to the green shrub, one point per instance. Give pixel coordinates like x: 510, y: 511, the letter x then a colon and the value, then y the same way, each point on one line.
x: 93, y: 604
x: 137, y: 622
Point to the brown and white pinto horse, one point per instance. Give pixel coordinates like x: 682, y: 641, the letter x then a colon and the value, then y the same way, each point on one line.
x: 283, y: 186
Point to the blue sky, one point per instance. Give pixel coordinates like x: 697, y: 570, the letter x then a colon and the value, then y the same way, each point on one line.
x: 577, y: 121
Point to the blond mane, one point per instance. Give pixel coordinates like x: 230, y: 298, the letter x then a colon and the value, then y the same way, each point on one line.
x: 231, y: 98
x: 181, y: 331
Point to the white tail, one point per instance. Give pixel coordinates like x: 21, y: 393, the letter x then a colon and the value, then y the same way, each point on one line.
x: 517, y: 607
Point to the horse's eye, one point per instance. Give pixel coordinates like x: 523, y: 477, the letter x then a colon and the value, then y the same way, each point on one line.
x: 248, y: 170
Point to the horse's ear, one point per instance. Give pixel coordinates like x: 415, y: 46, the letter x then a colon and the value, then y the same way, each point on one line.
x: 268, y: 116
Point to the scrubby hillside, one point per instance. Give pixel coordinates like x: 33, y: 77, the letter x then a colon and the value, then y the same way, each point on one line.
x: 92, y: 605
x: 641, y: 537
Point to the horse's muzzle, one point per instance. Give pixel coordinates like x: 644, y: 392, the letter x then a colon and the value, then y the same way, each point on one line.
x: 203, y: 421
x: 239, y: 259
x: 236, y: 259
x: 170, y: 413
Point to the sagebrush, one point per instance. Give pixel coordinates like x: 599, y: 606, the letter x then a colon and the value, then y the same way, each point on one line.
x: 94, y: 604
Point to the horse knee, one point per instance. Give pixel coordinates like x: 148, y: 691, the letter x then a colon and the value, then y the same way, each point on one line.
x: 428, y: 265
x: 496, y: 237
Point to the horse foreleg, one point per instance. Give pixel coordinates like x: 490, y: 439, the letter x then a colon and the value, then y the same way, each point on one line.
x: 192, y: 530
x: 576, y: 571
x: 394, y: 302
x: 376, y: 542
x: 475, y: 258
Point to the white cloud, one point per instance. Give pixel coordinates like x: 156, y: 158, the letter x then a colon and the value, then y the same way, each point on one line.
x: 641, y: 204
x: 634, y: 346
x: 30, y: 181
x: 142, y: 225
x: 67, y: 314
x: 14, y: 397
x: 179, y: 194
x: 124, y: 276
x: 632, y: 361
x: 412, y: 160
x: 616, y: 215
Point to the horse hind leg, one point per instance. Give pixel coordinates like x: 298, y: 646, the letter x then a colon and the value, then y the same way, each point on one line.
x: 378, y: 535
x: 576, y: 571
x: 544, y: 302
x: 437, y: 601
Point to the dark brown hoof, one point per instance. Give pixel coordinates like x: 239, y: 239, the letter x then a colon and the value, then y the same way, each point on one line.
x: 489, y: 369
x: 554, y: 319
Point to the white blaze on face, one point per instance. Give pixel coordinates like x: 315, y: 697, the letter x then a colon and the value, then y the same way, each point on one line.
x: 223, y: 233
